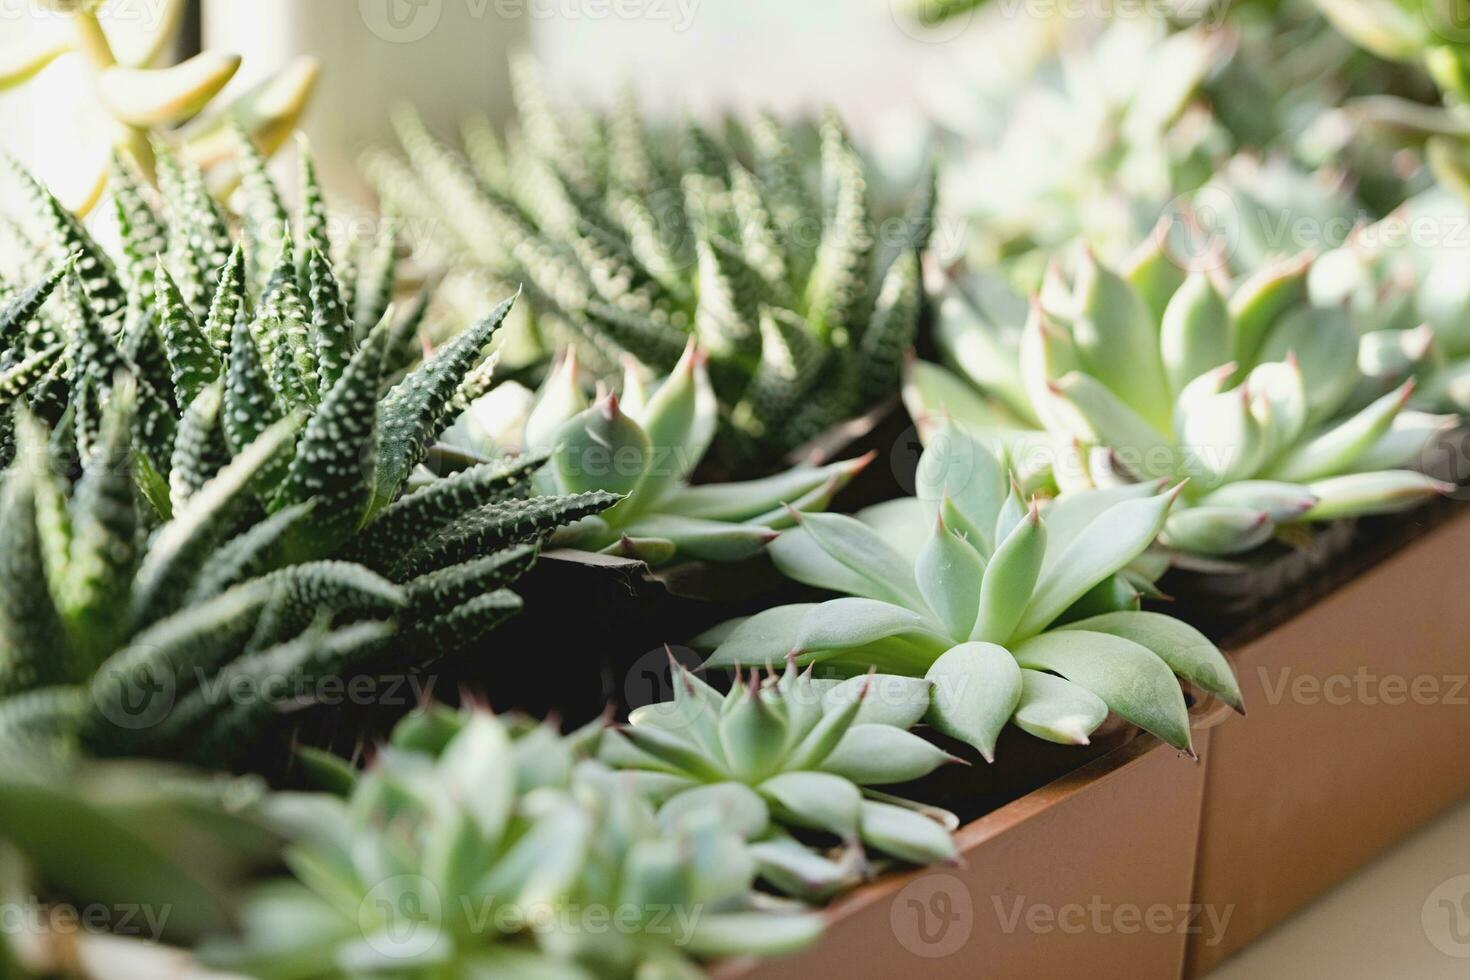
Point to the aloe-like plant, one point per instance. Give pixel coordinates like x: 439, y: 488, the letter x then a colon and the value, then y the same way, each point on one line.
x: 147, y: 101
x: 174, y: 647
x: 258, y: 456
x: 630, y: 249
x: 217, y: 359
x: 1155, y: 373
x: 474, y: 846
x: 790, y: 752
x: 643, y: 446
x: 1013, y: 613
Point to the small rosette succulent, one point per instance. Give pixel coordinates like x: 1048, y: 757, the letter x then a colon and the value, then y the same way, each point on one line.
x: 1402, y: 278
x: 1013, y: 614
x: 791, y: 752
x: 1075, y: 129
x: 631, y: 244
x: 478, y: 847
x: 1155, y: 373
x: 643, y: 446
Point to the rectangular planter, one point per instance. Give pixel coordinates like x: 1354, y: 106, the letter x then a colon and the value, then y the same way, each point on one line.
x: 1359, y: 715
x: 1087, y: 875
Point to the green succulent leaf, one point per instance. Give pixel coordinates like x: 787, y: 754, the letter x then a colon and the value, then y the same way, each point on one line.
x: 1056, y: 710
x: 950, y: 573
x: 1133, y: 680
x: 976, y: 687
x: 413, y: 413
x: 1186, y: 650
x: 1101, y: 548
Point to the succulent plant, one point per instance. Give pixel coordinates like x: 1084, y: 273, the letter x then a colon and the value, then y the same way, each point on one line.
x: 1154, y: 373
x: 791, y: 752
x: 1013, y: 614
x: 146, y: 101
x: 1095, y: 137
x: 284, y: 486
x: 803, y: 310
x: 1098, y: 127
x: 1426, y: 34
x: 132, y: 648
x: 643, y: 446
x: 217, y: 362
x: 474, y: 846
x: 1401, y: 278
x: 162, y: 847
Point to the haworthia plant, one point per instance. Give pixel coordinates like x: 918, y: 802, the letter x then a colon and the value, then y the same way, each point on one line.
x: 1156, y: 371
x: 473, y: 846
x: 208, y: 532
x: 644, y: 446
x: 804, y: 306
x: 1013, y: 614
x: 790, y: 753
x: 132, y: 642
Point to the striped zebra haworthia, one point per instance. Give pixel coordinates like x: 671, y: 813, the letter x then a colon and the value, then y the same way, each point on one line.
x: 222, y: 487
x: 630, y: 246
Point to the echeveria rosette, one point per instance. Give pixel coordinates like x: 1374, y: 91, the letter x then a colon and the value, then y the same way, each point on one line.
x: 1013, y: 614
x: 1155, y: 373
x: 643, y: 445
x: 472, y: 845
x: 792, y: 752
x: 1075, y: 128
x: 1403, y: 278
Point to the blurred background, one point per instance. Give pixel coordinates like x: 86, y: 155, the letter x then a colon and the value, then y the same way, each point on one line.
x: 862, y: 57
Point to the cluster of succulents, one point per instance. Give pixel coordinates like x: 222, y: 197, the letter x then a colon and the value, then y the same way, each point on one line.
x: 1402, y: 278
x: 629, y: 245
x: 1096, y: 139
x: 245, y: 482
x: 790, y: 752
x: 144, y: 101
x: 1097, y: 128
x: 476, y: 846
x: 1012, y: 613
x: 235, y: 469
x: 1158, y: 372
x: 643, y: 445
